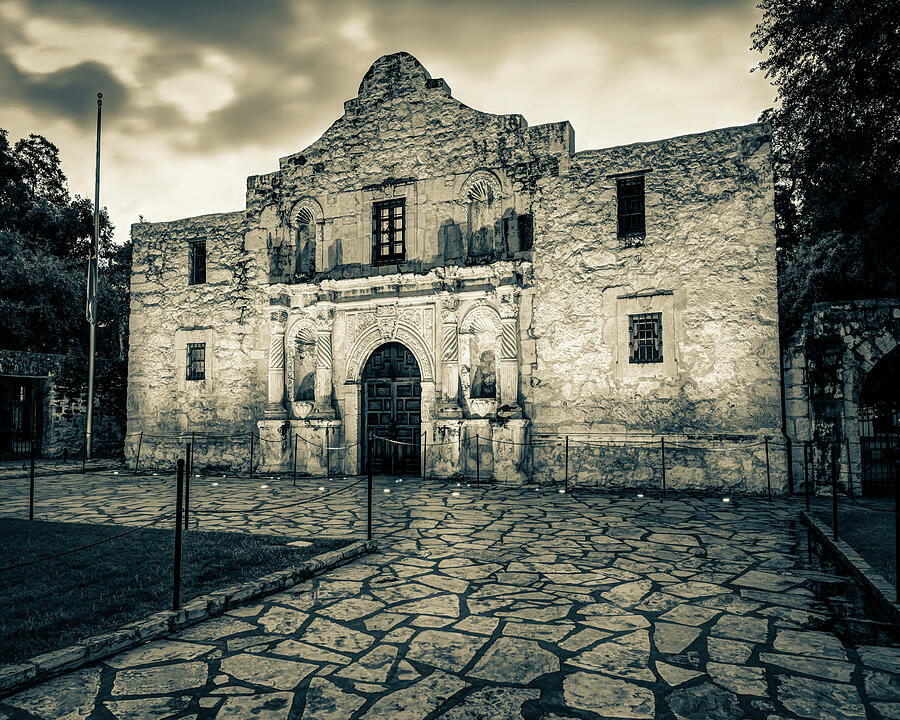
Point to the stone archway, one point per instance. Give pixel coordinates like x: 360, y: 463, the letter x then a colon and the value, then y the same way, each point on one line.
x: 391, y: 408
x: 878, y: 418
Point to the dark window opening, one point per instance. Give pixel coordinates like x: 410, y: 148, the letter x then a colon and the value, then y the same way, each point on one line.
x: 630, y: 194
x: 388, y: 232
x: 526, y: 231
x: 645, y: 338
x: 198, y: 262
x: 196, y: 361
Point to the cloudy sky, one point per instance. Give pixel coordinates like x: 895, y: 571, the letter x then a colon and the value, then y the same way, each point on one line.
x: 200, y: 94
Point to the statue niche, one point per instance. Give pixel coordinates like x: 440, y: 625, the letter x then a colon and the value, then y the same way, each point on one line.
x: 302, y: 373
x: 305, y: 245
x: 481, y: 217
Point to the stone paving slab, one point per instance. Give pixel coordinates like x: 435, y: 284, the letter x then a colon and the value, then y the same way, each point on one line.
x: 496, y: 603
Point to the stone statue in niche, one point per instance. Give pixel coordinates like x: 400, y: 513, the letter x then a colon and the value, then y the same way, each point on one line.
x: 304, y: 366
x: 484, y: 377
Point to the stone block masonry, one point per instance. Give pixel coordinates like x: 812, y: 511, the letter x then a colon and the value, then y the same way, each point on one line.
x: 507, y: 278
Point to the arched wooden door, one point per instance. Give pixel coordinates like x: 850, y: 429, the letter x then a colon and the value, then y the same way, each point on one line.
x: 392, y: 408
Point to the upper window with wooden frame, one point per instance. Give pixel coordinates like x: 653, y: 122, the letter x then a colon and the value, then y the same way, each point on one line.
x: 630, y: 196
x: 197, y: 262
x: 389, y: 231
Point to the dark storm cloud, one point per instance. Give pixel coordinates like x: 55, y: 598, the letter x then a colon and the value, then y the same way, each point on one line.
x: 68, y: 93
x: 280, y: 41
x: 233, y: 23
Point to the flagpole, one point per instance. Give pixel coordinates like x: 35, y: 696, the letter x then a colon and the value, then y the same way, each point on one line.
x: 93, y: 271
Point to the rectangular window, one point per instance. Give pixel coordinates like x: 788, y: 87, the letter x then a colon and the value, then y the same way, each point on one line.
x: 388, y: 232
x: 630, y: 194
x: 198, y: 262
x: 196, y: 361
x: 645, y: 338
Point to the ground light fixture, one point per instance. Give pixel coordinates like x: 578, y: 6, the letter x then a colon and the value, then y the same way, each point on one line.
x: 726, y: 499
x: 640, y: 495
x: 387, y: 490
x: 263, y: 487
x: 321, y: 488
x: 215, y: 484
x: 455, y: 493
x: 156, y: 473
x: 115, y: 472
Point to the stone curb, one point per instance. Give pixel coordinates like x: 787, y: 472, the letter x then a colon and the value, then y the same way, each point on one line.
x: 873, y: 584
x: 43, y: 667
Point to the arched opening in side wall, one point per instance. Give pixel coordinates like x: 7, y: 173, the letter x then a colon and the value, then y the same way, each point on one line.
x: 878, y: 414
x: 391, y: 409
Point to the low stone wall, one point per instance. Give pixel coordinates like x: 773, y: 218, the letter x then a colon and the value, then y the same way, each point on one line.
x: 691, y: 463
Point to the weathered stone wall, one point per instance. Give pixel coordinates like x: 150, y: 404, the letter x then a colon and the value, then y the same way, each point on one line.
x: 511, y: 253
x: 65, y: 400
x: 167, y: 312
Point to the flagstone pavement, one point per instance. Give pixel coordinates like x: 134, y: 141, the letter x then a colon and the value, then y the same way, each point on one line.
x: 491, y: 603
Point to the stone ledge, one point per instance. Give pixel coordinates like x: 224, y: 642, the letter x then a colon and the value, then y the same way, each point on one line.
x: 874, y: 585
x: 42, y: 667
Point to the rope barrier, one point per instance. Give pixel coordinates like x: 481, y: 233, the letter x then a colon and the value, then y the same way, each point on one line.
x: 90, y: 545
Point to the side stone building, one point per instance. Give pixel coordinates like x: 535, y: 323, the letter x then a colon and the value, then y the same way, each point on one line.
x: 473, y: 290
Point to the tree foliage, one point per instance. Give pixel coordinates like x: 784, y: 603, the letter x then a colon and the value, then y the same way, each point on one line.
x: 45, y: 238
x: 836, y: 147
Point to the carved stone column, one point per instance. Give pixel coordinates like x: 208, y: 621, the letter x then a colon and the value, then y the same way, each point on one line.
x: 449, y: 353
x: 324, y: 365
x: 275, y: 408
x: 509, y: 352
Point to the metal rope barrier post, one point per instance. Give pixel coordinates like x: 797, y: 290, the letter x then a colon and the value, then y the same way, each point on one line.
x: 295, y: 461
x: 31, y: 483
x: 768, y: 473
x: 834, y: 499
x: 806, y: 472
x: 477, y: 460
x: 567, y: 463
x: 137, y: 458
x: 176, y: 565
x: 849, y: 471
x: 251, y: 455
x: 662, y: 447
x: 327, y: 451
x: 189, y: 468
x: 371, y: 449
x: 896, y: 463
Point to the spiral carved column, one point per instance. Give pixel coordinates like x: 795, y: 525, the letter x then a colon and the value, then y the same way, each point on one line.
x: 276, y: 408
x: 324, y: 369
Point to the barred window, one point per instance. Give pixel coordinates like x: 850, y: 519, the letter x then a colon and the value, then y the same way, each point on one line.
x: 196, y: 361
x: 197, y: 262
x: 630, y: 194
x: 645, y: 338
x: 388, y: 231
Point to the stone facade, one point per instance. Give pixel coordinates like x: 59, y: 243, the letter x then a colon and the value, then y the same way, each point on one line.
x: 513, y: 295
x: 826, y: 365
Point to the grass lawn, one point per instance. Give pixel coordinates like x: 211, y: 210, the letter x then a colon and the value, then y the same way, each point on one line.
x: 55, y: 603
x: 869, y: 532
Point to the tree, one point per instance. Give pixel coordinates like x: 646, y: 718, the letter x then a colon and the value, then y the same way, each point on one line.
x: 45, y: 238
x: 836, y: 148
